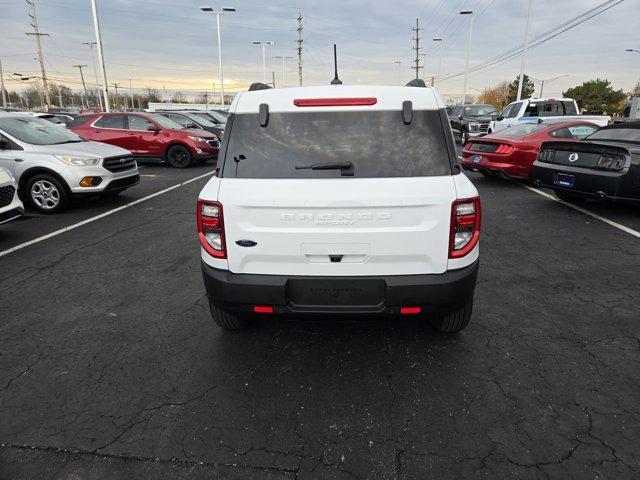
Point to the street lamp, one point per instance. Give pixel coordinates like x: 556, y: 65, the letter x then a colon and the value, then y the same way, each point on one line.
x: 95, y: 72
x: 633, y: 50
x: 466, y: 68
x: 524, y: 52
x: 217, y: 14
x: 264, y: 58
x: 441, y: 42
x: 399, y: 63
x: 283, y: 60
x: 547, y: 80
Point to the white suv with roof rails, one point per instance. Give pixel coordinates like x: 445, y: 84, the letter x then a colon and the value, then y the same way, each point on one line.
x: 339, y: 201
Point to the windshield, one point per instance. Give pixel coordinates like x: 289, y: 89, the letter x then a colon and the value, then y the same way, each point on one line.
x: 520, y: 131
x: 217, y: 116
x: 36, y: 131
x: 327, y: 144
x: 165, y: 122
x: 480, y: 111
x: 203, y: 120
x: 621, y: 134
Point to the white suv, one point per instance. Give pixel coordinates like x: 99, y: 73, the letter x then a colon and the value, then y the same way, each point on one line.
x: 10, y: 205
x: 339, y: 201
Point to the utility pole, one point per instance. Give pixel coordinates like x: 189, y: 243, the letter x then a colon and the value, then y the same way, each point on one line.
x: 299, y: 42
x: 36, y: 33
x: 59, y: 95
x: 466, y: 67
x: 4, y: 92
x: 206, y: 101
x: 95, y: 73
x: 84, y: 86
x: 524, y: 52
x: 417, y: 48
x: 96, y: 26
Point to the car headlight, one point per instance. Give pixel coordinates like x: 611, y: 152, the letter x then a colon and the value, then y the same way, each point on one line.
x: 198, y: 139
x: 79, y: 161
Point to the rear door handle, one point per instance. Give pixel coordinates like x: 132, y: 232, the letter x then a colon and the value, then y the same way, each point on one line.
x: 18, y: 159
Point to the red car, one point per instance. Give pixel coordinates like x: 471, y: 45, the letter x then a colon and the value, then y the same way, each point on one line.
x: 149, y: 137
x: 512, y: 151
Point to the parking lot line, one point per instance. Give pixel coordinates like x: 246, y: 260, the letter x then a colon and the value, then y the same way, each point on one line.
x: 102, y: 215
x: 617, y: 225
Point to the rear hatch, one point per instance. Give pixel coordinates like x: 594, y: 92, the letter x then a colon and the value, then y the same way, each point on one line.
x: 347, y: 193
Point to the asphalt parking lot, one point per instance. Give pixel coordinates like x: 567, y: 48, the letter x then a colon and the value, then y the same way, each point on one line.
x: 110, y: 366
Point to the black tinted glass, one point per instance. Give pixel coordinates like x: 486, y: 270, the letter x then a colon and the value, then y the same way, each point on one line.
x: 111, y: 121
x: 378, y: 144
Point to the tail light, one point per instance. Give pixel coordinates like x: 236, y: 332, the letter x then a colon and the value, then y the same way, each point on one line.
x: 546, y: 156
x: 504, y: 149
x: 211, y: 228
x: 465, y: 226
x: 611, y: 162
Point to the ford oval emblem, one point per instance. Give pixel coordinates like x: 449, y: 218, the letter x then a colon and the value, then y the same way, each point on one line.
x: 246, y: 243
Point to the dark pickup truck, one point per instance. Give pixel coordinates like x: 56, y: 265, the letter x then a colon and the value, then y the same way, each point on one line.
x: 471, y: 121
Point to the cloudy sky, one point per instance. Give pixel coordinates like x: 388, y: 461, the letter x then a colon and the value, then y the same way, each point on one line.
x: 172, y: 44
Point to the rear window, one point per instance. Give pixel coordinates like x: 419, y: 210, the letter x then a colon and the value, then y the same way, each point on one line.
x: 622, y: 134
x: 550, y: 109
x: 79, y: 120
x: 378, y: 144
x: 521, y: 130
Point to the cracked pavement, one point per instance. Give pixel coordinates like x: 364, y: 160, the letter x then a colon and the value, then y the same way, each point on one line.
x: 111, y: 367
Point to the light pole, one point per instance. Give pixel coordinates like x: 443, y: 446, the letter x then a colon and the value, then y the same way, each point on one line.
x: 131, y: 94
x: 96, y: 26
x: 524, y: 52
x: 264, y: 58
x: 217, y: 14
x: 95, y: 73
x: 399, y: 63
x: 544, y: 81
x: 283, y: 60
x: 466, y: 68
x: 441, y: 42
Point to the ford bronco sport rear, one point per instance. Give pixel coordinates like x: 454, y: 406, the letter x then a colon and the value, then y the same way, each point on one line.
x: 332, y: 201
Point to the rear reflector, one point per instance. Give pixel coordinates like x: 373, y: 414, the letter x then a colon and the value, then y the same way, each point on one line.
x: 262, y: 309
x: 334, y: 102
x: 409, y: 310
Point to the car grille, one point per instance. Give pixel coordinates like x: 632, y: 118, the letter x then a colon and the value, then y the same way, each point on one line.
x: 119, y: 164
x: 6, y: 195
x: 484, y: 127
x: 214, y: 143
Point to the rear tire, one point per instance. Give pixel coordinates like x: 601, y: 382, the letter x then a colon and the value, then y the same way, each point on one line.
x: 456, y: 321
x: 226, y: 320
x: 569, y: 197
x: 179, y: 156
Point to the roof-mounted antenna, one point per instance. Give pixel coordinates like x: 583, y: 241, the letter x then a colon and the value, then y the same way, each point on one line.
x: 336, y: 80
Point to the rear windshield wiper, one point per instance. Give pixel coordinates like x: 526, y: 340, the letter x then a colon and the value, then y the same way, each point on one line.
x: 346, y: 168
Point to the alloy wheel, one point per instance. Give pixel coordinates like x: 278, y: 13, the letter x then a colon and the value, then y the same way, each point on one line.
x: 45, y: 195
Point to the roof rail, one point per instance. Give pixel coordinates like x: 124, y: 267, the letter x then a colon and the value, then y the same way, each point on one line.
x: 258, y: 86
x: 416, y: 82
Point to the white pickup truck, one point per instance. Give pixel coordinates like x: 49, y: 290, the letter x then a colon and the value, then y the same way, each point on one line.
x: 533, y: 109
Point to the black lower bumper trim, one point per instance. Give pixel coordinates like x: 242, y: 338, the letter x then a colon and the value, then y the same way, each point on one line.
x: 371, y: 296
x: 11, y: 215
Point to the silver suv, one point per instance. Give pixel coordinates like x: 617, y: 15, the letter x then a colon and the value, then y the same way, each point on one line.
x: 51, y: 164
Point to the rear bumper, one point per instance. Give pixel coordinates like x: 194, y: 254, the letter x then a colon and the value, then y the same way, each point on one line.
x: 436, y: 294
x: 599, y: 184
x: 500, y: 164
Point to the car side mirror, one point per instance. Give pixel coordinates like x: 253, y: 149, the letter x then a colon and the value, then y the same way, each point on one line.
x: 193, y: 125
x: 4, y: 145
x: 154, y: 128
x: 460, y: 117
x: 499, y: 118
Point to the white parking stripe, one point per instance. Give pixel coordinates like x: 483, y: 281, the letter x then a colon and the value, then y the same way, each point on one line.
x: 98, y: 217
x: 617, y: 225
